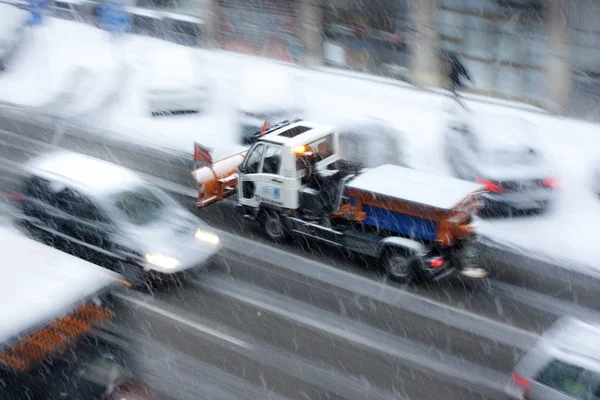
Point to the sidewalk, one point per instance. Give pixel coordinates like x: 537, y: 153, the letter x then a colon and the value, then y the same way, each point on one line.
x: 569, y: 232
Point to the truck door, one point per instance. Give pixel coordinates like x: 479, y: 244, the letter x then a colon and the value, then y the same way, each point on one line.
x: 249, y: 170
x: 273, y: 186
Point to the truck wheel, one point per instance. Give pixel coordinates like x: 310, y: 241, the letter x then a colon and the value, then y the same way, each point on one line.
x: 272, y: 225
x: 399, y: 266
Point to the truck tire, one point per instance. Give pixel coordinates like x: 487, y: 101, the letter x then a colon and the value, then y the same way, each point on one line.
x: 272, y: 226
x: 398, y: 265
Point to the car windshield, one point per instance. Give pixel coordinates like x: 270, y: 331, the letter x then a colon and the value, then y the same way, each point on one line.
x: 140, y: 206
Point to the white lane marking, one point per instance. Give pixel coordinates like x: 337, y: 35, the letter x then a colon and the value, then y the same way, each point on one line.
x: 185, y: 321
x: 382, y: 286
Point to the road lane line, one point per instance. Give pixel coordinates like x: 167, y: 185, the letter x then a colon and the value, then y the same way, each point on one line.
x: 412, y: 353
x: 185, y: 321
x: 546, y: 303
x: 360, y: 284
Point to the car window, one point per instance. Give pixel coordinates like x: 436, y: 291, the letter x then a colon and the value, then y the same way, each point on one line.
x: 77, y: 205
x: 254, y: 158
x: 272, y: 160
x: 323, y: 148
x: 38, y: 188
x: 564, y: 377
x: 139, y: 206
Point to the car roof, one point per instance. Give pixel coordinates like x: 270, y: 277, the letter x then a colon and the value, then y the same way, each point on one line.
x: 575, y: 337
x: 39, y: 283
x: 310, y: 131
x: 501, y: 131
x: 84, y: 173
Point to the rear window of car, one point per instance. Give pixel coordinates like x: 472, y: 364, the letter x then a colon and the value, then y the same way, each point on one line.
x: 140, y: 206
x: 567, y: 378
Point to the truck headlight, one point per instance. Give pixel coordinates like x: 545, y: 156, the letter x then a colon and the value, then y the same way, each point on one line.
x: 162, y: 261
x: 207, y: 237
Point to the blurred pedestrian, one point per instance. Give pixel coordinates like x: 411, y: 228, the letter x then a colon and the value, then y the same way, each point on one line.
x: 455, y: 70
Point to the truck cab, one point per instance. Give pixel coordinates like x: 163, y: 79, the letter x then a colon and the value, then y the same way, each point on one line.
x: 279, y: 169
x: 293, y: 181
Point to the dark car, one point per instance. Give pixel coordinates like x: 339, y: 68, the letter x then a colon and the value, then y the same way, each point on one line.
x: 504, y: 153
x: 106, y: 212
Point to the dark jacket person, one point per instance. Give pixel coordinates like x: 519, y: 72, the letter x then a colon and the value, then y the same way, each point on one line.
x: 455, y: 70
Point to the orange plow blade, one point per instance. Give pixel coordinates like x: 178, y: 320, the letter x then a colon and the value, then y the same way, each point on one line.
x: 218, y: 180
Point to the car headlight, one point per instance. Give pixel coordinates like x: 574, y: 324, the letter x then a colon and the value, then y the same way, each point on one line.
x: 162, y: 261
x: 207, y: 237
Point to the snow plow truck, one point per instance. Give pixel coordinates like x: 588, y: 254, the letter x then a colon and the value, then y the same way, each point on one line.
x: 293, y: 182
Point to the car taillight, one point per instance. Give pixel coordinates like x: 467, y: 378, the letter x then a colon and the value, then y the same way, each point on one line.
x: 491, y: 186
x: 436, y: 262
x: 521, y: 382
x: 551, y: 183
x: 14, y: 196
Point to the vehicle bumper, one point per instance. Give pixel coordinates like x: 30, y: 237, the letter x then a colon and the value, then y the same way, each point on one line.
x: 464, y: 260
x: 183, y: 274
x: 520, y: 201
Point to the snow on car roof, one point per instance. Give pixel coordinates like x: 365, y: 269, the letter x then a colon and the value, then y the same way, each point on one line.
x: 267, y: 88
x: 95, y: 175
x: 39, y: 283
x: 574, y: 336
x: 438, y: 191
x: 174, y: 69
x: 505, y: 131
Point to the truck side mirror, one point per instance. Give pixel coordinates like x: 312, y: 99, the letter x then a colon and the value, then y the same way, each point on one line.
x: 241, y: 168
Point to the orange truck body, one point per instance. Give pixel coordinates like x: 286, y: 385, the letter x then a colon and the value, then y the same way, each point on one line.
x: 217, y: 180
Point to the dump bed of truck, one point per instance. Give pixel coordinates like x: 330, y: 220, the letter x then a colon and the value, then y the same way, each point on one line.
x: 413, y: 186
x: 413, y: 203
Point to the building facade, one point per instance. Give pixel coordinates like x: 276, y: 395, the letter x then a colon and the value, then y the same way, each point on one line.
x: 543, y: 52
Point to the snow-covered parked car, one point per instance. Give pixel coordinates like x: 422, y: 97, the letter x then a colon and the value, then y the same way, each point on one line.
x: 269, y: 94
x: 371, y: 142
x: 175, y: 83
x: 506, y: 154
x: 13, y: 21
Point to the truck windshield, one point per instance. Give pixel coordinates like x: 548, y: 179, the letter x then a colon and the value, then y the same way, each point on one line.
x: 139, y: 206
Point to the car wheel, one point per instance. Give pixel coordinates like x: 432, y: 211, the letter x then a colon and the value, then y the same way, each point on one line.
x: 399, y: 266
x: 272, y: 226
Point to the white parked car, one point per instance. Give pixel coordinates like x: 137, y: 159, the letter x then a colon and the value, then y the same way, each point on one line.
x: 371, y: 142
x: 267, y: 93
x: 13, y: 21
x: 506, y: 154
x: 175, y: 83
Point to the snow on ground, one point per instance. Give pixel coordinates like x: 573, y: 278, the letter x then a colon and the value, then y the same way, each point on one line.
x: 568, y: 231
x: 48, y: 56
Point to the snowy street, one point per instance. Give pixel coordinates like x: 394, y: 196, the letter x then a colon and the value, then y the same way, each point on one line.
x: 296, y: 319
x: 566, y: 234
